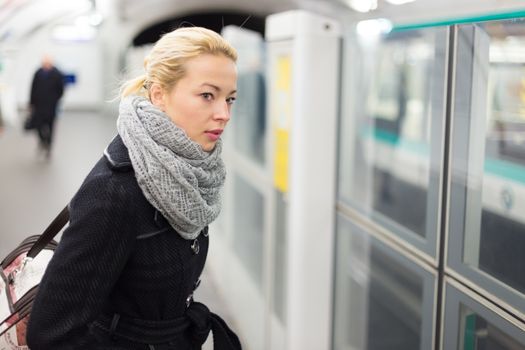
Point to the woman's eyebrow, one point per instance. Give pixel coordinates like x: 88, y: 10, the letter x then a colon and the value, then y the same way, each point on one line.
x: 215, y: 87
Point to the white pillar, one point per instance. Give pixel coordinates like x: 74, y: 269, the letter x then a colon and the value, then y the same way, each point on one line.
x: 310, y: 46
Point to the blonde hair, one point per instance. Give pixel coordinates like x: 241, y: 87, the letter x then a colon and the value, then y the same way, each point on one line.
x: 164, y: 64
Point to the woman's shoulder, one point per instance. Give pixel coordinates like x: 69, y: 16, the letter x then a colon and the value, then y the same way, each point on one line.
x: 117, y: 156
x: 112, y: 175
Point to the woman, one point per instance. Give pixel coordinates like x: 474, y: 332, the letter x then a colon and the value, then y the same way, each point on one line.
x: 125, y: 270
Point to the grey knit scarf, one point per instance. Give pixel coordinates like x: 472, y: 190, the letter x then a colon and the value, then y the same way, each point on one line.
x: 177, y: 177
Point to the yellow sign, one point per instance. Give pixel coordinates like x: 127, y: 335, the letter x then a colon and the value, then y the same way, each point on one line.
x: 282, y: 119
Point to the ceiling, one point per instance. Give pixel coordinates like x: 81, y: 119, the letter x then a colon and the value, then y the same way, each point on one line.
x: 19, y: 18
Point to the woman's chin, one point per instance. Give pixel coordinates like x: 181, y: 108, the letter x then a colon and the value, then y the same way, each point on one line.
x: 208, y: 146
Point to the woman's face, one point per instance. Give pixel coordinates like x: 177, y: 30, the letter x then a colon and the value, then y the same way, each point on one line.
x: 200, y: 103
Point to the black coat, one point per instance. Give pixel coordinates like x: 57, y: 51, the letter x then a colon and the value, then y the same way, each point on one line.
x: 46, y: 90
x: 118, y: 256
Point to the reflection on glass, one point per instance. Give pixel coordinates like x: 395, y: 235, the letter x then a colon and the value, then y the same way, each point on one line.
x: 248, y: 227
x: 249, y: 115
x: 378, y: 300
x: 386, y: 141
x: 476, y: 333
x: 496, y: 244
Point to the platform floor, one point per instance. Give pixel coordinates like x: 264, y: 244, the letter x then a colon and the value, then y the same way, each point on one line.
x: 34, y: 189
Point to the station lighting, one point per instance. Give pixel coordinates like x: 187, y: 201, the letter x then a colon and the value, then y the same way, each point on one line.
x: 362, y: 5
x: 399, y: 2
x: 371, y: 28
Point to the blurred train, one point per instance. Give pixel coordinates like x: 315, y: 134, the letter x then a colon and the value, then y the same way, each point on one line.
x: 396, y: 138
x: 401, y: 129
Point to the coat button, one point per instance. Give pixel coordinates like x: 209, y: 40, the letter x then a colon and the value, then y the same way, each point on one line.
x: 189, y: 300
x: 195, y: 246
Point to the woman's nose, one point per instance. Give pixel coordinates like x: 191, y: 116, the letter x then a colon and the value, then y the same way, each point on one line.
x: 222, y: 112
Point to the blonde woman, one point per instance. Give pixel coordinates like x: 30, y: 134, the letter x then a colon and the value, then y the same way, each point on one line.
x: 124, y: 273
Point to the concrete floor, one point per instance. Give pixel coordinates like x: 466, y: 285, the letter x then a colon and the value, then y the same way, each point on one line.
x: 33, y: 189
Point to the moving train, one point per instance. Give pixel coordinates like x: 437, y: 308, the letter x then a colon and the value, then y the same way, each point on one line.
x: 397, y: 136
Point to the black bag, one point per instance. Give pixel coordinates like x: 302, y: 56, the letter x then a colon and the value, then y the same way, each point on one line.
x: 21, y: 272
x: 30, y: 122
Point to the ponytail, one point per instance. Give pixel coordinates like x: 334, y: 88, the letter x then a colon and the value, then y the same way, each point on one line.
x: 134, y: 86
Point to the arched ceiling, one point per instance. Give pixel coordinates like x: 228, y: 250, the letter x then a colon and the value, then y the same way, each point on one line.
x: 213, y: 20
x: 136, y: 9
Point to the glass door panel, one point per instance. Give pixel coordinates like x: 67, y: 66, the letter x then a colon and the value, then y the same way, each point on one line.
x: 487, y: 221
x: 391, y: 131
x: 382, y: 299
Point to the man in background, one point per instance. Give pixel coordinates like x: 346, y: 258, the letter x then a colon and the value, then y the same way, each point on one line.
x: 46, y: 90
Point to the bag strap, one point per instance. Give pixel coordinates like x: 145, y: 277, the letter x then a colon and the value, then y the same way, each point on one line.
x: 51, y: 231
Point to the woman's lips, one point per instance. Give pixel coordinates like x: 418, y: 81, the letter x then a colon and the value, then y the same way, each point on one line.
x: 214, y: 135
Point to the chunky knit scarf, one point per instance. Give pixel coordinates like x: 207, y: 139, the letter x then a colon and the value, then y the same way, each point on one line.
x: 176, y: 176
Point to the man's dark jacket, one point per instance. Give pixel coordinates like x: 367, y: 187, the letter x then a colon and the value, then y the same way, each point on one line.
x: 46, y: 90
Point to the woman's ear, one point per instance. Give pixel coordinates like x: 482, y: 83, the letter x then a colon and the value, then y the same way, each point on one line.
x: 156, y: 95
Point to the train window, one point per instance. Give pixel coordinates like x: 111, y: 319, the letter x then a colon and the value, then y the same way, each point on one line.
x: 471, y: 325
x: 382, y: 299
x: 487, y: 221
x: 391, y: 132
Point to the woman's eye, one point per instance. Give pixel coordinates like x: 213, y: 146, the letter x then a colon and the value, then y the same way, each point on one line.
x: 207, y: 96
x: 230, y: 100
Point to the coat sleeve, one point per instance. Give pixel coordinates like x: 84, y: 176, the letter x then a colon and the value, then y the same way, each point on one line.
x: 87, y: 263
